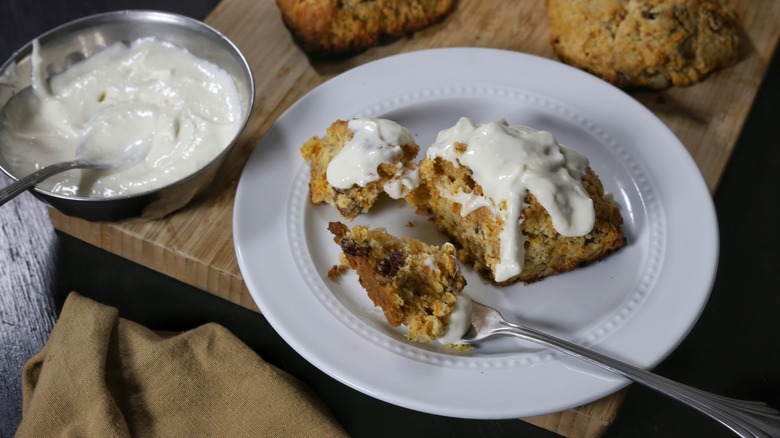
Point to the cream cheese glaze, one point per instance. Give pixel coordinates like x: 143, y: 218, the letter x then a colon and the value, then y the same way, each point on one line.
x: 459, y: 320
x: 459, y: 323
x: 375, y: 142
x: 187, y: 107
x: 508, y: 161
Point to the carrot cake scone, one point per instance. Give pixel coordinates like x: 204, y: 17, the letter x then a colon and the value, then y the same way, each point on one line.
x: 644, y: 43
x: 520, y: 205
x: 359, y: 159
x: 345, y: 27
x: 415, y: 284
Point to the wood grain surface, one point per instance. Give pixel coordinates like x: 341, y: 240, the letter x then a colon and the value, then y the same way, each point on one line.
x: 195, y: 244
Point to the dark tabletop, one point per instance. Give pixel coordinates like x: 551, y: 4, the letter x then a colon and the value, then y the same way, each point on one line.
x: 733, y: 350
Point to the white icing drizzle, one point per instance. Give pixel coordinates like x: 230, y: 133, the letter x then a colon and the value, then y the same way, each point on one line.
x: 375, y: 141
x: 459, y: 323
x: 430, y: 262
x: 507, y: 162
x: 403, y: 182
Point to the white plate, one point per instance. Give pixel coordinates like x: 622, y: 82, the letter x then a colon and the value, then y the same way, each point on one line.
x: 636, y: 305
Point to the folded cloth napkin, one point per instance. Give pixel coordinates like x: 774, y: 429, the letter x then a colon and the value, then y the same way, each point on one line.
x: 103, y: 376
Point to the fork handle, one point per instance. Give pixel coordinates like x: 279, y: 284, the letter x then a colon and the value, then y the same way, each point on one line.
x: 745, y: 418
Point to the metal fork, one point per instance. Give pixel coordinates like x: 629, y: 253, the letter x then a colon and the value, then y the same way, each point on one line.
x: 745, y: 418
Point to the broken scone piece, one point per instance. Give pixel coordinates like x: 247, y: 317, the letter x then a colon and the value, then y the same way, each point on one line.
x: 415, y: 284
x: 346, y: 27
x: 359, y: 159
x: 520, y: 205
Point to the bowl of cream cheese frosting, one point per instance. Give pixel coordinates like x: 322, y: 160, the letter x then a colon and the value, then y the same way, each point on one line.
x: 170, y: 81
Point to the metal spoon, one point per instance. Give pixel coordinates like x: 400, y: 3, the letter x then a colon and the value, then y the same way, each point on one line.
x: 749, y: 419
x: 11, y: 191
x: 99, y: 147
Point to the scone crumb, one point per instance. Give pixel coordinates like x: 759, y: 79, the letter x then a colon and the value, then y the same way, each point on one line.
x: 335, y: 272
x: 459, y: 348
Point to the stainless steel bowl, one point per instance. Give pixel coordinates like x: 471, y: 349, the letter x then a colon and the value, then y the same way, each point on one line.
x: 72, y: 42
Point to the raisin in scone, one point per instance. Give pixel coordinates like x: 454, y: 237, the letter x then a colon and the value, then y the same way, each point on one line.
x: 345, y: 27
x: 358, y: 160
x: 649, y: 43
x: 520, y: 205
x: 415, y: 284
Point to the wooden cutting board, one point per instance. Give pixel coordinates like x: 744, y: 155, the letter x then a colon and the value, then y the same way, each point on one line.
x: 195, y: 244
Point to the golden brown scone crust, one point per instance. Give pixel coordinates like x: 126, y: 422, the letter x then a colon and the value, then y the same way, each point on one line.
x: 345, y: 27
x: 649, y: 43
x: 319, y: 151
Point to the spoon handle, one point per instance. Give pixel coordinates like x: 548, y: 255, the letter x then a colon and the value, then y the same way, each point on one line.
x: 11, y: 191
x: 745, y: 418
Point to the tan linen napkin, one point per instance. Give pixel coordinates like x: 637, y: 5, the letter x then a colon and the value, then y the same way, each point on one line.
x: 103, y: 376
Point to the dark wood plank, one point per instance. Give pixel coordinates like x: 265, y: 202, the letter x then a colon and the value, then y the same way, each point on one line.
x: 27, y: 277
x: 28, y: 245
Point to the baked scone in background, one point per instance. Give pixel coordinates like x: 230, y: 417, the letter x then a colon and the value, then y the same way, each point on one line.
x: 649, y: 43
x: 345, y: 27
